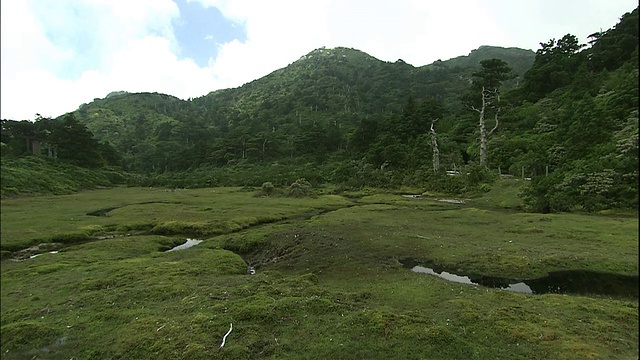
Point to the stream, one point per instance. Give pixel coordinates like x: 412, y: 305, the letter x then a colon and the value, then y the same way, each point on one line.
x: 579, y: 282
x: 189, y: 243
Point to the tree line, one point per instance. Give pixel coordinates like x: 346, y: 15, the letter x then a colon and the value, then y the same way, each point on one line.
x: 65, y: 139
x: 570, y: 119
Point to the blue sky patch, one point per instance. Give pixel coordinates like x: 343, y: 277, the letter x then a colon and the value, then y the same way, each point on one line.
x: 200, y: 30
x: 61, y: 21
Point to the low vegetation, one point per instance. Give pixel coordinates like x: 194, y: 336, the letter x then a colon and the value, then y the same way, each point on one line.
x: 309, y: 188
x: 328, y: 280
x: 565, y: 117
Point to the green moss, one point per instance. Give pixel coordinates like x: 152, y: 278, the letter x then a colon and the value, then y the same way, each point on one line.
x: 70, y: 238
x: 328, y: 283
x: 26, y: 335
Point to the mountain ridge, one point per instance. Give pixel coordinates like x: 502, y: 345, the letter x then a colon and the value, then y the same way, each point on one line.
x: 471, y: 60
x: 328, y: 89
x: 341, y: 116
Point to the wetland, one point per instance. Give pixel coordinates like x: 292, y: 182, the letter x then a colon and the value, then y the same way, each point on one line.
x: 332, y: 277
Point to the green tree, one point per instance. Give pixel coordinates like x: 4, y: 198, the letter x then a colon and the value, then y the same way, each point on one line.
x: 17, y: 137
x: 75, y: 143
x: 612, y: 48
x: 364, y: 135
x: 554, y: 66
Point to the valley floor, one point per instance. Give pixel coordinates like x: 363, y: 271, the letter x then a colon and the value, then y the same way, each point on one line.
x: 328, y: 279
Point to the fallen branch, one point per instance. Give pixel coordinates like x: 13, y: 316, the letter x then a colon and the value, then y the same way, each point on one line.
x: 225, y: 336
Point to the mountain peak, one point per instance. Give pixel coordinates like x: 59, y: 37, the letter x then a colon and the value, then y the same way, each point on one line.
x: 116, y: 93
x: 334, y: 53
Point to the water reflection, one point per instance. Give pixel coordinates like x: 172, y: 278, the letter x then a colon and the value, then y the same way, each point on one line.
x: 558, y: 282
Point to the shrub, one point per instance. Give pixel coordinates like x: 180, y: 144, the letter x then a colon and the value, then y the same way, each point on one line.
x: 478, y: 174
x: 454, y: 185
x: 300, y: 188
x: 267, y: 188
x: 484, y: 187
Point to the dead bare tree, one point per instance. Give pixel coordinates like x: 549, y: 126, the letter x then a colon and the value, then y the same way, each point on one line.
x: 436, y: 151
x: 384, y: 165
x: 490, y: 99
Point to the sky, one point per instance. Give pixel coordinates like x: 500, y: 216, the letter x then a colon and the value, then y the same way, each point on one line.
x: 57, y: 55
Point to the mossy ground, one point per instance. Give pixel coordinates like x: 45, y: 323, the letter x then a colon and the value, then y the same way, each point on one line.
x: 328, y: 281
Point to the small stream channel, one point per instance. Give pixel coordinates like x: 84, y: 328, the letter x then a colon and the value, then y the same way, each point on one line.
x: 189, y: 243
x: 581, y: 282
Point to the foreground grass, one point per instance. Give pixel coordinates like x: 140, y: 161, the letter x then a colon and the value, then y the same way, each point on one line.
x: 328, y: 285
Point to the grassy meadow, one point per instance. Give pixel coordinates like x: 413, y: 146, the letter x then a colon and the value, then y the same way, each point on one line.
x: 328, y: 281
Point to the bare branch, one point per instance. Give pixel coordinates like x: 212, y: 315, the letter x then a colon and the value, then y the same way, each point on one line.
x: 224, y: 339
x: 496, y: 125
x: 433, y: 122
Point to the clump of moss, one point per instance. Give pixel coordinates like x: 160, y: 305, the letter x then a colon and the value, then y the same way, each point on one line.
x: 26, y: 334
x: 4, y: 254
x: 71, y: 238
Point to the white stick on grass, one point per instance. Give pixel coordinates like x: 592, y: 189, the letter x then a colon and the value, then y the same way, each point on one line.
x: 224, y: 339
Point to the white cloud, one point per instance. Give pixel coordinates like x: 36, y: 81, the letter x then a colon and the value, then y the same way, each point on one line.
x: 279, y: 32
x: 419, y: 32
x: 148, y: 65
x: 531, y: 22
x: 42, y: 39
x: 130, y: 45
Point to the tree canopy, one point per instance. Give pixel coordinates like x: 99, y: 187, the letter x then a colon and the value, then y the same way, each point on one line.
x: 568, y: 116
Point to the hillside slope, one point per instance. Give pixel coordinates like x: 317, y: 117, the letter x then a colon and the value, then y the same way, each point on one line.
x: 325, y: 94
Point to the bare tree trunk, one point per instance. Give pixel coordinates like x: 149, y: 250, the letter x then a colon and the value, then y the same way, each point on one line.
x: 291, y: 143
x: 488, y: 98
x: 436, y: 151
x: 483, y: 129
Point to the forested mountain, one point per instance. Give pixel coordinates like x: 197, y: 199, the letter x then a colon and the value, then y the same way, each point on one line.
x: 566, y: 116
x: 307, y: 110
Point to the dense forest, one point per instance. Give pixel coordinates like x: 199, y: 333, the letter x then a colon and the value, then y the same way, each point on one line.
x: 565, y: 117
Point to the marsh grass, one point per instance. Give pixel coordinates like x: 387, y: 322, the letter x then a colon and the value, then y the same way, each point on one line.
x: 503, y: 194
x: 328, y: 281
x: 33, y: 175
x: 29, y: 221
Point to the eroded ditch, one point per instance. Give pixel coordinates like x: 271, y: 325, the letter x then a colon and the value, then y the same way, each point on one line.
x: 576, y: 282
x: 106, y: 211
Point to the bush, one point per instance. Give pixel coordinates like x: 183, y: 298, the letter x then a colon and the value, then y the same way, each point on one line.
x: 268, y: 188
x: 484, y: 187
x: 300, y: 188
x: 443, y: 183
x: 478, y: 174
